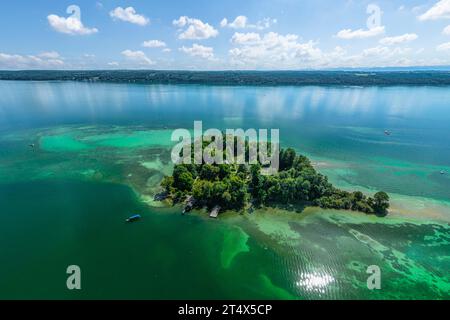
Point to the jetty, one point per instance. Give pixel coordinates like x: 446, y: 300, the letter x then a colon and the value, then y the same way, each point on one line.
x: 215, y: 212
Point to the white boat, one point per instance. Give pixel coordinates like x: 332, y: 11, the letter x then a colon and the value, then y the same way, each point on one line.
x: 134, y: 218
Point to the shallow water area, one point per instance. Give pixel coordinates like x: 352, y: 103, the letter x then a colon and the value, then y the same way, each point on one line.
x: 73, y: 168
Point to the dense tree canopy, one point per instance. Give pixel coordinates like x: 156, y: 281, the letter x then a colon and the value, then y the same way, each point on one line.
x: 235, y: 187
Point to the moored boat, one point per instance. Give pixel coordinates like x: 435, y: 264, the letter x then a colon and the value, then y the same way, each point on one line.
x: 134, y: 218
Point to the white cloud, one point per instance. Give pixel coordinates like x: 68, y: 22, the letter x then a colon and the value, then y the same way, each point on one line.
x: 71, y: 25
x: 245, y: 38
x: 349, y: 34
x: 154, y: 44
x: 224, y: 22
x: 50, y: 60
x: 380, y: 56
x: 287, y: 52
x: 129, y: 15
x: 199, y: 51
x: 376, y: 51
x: 138, y: 57
x: 446, y: 31
x: 50, y: 55
x: 443, y: 47
x: 196, y: 29
x: 241, y: 22
x: 407, y: 37
x: 265, y: 23
x: 113, y: 64
x: 272, y: 51
x: 441, y: 10
x: 166, y: 50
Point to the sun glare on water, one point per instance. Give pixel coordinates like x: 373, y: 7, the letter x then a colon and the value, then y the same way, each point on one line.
x: 315, y: 282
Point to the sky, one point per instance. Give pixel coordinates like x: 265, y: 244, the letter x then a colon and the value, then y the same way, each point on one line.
x: 223, y: 34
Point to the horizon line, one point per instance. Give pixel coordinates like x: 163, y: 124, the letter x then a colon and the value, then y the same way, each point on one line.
x: 345, y: 69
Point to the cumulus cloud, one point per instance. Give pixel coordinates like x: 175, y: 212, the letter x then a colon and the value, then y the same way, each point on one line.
x: 129, y: 15
x: 154, y: 44
x: 224, y: 22
x: 138, y: 57
x: 379, y: 56
x: 407, y: 37
x: 272, y: 50
x: 50, y: 55
x: 199, y: 51
x: 195, y: 29
x: 245, y: 38
x: 46, y: 60
x: 446, y: 31
x: 443, y: 47
x: 441, y: 10
x: 349, y: 34
x: 384, y: 52
x: 277, y: 51
x: 241, y: 22
x: 71, y: 25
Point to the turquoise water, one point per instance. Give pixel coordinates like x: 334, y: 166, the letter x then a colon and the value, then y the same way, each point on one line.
x: 101, y: 150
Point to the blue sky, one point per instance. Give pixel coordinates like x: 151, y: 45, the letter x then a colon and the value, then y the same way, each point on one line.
x: 219, y: 34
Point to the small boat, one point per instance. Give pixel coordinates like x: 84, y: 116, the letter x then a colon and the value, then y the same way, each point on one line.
x: 442, y: 172
x: 161, y: 196
x: 31, y: 145
x: 188, y: 208
x: 134, y: 218
x: 387, y: 132
x: 189, y: 205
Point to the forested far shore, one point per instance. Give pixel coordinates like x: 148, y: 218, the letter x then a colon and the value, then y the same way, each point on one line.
x: 237, y: 78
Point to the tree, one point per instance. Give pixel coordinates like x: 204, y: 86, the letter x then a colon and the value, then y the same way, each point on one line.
x: 167, y: 183
x: 209, y: 172
x: 224, y: 171
x: 243, y: 170
x: 182, y: 178
x: 358, y: 195
x: 381, y: 202
x: 287, y: 158
x: 184, y: 181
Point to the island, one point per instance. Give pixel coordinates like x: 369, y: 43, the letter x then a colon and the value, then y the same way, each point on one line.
x: 243, y: 187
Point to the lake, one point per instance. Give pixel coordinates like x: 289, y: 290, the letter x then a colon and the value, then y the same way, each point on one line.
x: 100, y: 151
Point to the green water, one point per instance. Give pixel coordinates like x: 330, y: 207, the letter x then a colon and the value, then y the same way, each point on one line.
x: 101, y: 151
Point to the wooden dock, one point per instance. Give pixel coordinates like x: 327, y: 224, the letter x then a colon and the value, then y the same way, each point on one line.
x: 215, y: 212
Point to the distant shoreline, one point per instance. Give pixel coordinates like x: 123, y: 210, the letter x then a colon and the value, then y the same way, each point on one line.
x: 357, y: 78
